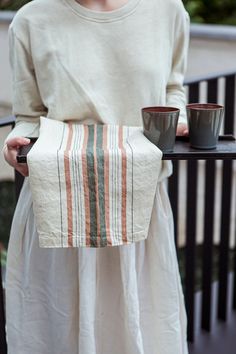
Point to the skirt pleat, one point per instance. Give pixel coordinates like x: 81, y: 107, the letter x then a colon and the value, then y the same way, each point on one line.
x: 115, y: 300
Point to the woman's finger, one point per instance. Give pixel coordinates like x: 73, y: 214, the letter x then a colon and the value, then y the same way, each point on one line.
x: 14, y: 143
x: 182, y: 129
x: 11, y: 159
x: 10, y: 151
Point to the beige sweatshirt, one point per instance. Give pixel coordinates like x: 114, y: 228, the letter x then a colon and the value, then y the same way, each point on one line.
x: 70, y: 62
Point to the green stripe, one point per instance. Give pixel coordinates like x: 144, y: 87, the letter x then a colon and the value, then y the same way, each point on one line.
x: 101, y: 191
x: 91, y: 185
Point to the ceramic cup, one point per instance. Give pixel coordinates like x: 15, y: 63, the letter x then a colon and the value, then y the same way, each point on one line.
x: 204, y: 122
x: 160, y: 124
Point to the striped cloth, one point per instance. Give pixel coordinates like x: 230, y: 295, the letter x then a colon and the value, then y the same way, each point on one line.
x: 92, y: 185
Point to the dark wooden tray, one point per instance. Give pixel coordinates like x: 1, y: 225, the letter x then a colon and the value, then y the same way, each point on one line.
x: 21, y: 157
x: 225, y: 150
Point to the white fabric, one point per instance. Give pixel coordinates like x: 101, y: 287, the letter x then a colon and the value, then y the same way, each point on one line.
x: 118, y: 300
x: 116, y: 169
x: 69, y: 64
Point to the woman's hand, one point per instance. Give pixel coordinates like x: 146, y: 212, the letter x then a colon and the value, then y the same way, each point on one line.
x: 10, y: 150
x: 182, y: 129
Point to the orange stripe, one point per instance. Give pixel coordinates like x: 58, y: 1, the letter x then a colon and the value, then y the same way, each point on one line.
x: 106, y: 185
x: 124, y: 185
x: 68, y: 186
x: 86, y: 189
x: 96, y: 186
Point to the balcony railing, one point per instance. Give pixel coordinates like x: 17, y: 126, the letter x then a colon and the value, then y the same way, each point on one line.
x: 209, y: 89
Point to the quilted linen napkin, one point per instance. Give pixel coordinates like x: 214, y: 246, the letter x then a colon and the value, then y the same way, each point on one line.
x: 92, y: 185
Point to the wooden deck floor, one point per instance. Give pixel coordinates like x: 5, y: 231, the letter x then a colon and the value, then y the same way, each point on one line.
x: 222, y: 338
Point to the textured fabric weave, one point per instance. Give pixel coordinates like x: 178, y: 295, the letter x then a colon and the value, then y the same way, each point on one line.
x: 66, y: 62
x: 108, y: 300
x: 92, y: 185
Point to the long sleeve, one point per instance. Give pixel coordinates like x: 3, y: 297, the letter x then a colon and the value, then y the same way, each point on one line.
x: 27, y: 103
x: 175, y: 91
x: 69, y: 65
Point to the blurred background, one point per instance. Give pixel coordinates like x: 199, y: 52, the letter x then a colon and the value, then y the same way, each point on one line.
x: 212, y: 11
x: 212, y: 53
x: 201, y: 11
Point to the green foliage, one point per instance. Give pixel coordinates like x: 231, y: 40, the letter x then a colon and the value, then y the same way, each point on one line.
x: 12, y: 4
x: 212, y: 11
x: 201, y: 11
x: 7, y: 206
x: 181, y: 253
x: 3, y: 258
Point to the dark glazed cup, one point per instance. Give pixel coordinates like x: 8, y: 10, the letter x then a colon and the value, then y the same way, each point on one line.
x: 204, y: 122
x: 160, y: 124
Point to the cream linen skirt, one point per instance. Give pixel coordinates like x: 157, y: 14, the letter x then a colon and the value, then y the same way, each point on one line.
x: 117, y: 300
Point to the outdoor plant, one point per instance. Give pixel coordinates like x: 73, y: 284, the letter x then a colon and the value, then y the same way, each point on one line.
x: 12, y: 4
x: 202, y: 11
x: 212, y: 11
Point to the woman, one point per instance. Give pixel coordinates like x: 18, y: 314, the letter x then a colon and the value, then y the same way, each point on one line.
x: 97, y: 62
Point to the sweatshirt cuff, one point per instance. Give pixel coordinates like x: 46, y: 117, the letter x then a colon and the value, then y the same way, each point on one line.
x: 24, y: 129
